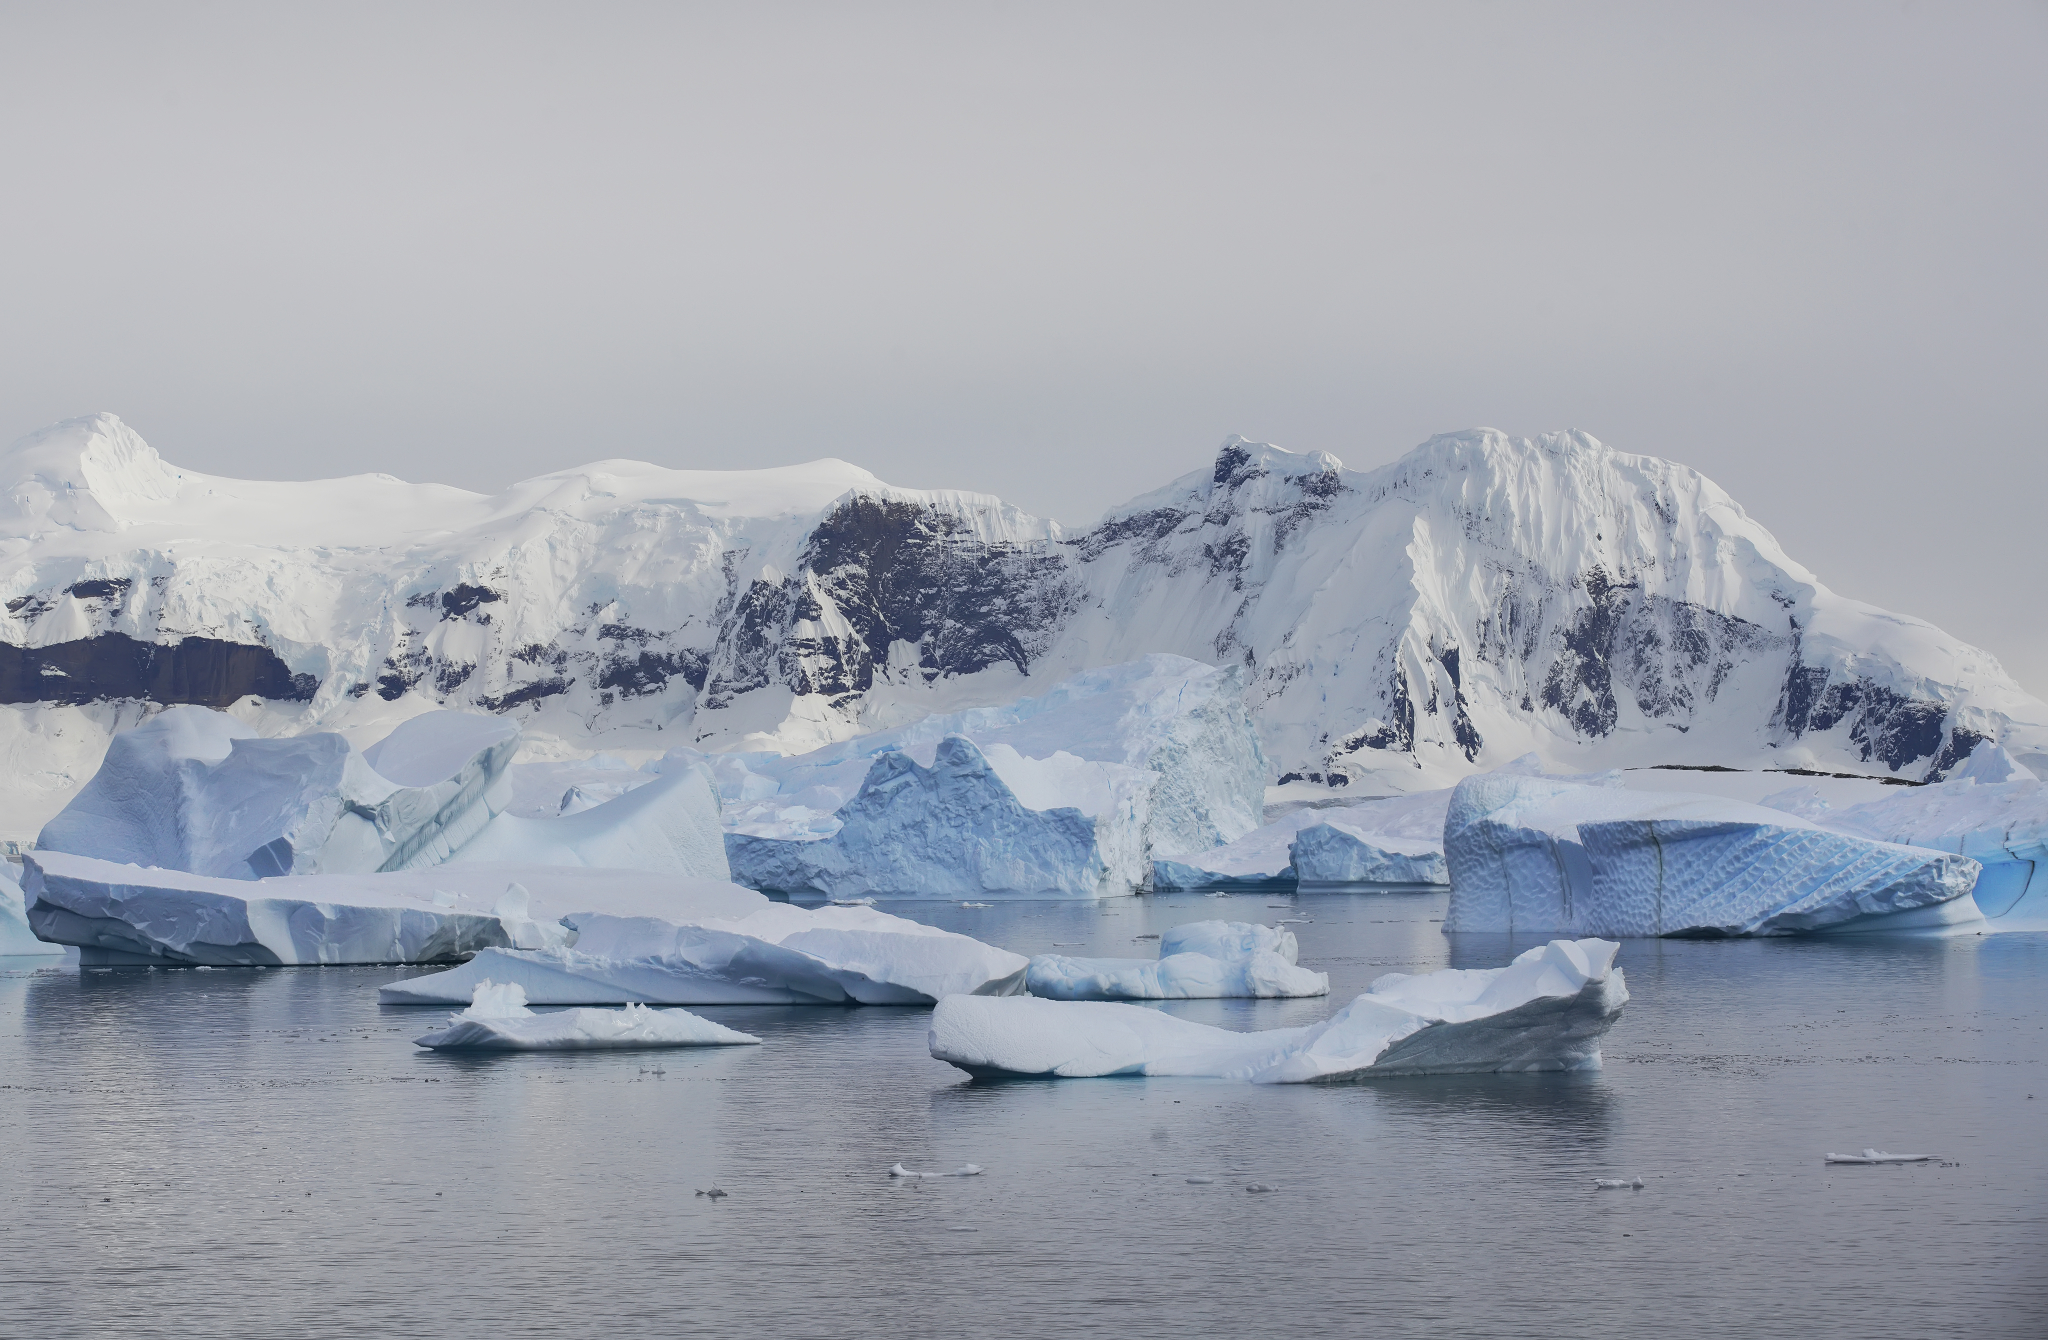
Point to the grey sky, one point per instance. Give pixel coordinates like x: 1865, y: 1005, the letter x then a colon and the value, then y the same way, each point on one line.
x: 1057, y: 253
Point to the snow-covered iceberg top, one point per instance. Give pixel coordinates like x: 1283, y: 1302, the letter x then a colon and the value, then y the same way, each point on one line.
x: 498, y: 1020
x: 1529, y: 853
x: 1177, y: 727
x: 777, y: 954
x: 1201, y: 960
x: 956, y: 829
x: 1545, y: 1011
x: 129, y: 914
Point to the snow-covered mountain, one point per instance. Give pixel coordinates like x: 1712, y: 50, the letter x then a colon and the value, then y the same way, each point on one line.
x: 1481, y: 597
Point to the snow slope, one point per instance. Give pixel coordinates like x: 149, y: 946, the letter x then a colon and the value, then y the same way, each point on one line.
x: 1482, y: 597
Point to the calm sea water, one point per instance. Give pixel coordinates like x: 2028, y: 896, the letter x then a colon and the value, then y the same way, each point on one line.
x: 264, y: 1153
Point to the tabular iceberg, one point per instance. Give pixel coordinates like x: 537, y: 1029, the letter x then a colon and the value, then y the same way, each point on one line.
x: 15, y: 936
x: 128, y: 914
x: 498, y: 1020
x: 1545, y: 1011
x: 956, y: 829
x: 777, y: 954
x: 1544, y: 855
x: 1199, y: 961
x: 1336, y: 855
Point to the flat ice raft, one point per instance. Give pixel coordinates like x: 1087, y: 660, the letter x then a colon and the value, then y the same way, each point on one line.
x: 779, y: 954
x: 1198, y: 961
x: 1545, y: 1011
x: 498, y: 1020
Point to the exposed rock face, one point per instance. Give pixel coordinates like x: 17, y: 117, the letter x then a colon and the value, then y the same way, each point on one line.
x: 1397, y: 628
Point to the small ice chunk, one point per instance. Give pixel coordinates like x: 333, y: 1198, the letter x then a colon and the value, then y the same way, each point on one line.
x: 1618, y: 1183
x: 1202, y: 960
x: 964, y: 1170
x: 498, y: 1020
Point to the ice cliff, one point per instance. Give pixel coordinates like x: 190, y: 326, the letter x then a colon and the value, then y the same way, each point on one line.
x: 1544, y: 855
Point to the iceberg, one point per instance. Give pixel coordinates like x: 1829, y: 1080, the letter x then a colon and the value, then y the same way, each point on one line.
x: 1537, y: 854
x: 1547, y: 1010
x: 1991, y: 810
x: 15, y: 936
x: 1158, y: 754
x: 1198, y: 961
x: 195, y: 790
x: 126, y: 914
x: 1389, y: 840
x: 776, y: 954
x: 498, y: 1020
x: 1336, y: 855
x: 957, y: 830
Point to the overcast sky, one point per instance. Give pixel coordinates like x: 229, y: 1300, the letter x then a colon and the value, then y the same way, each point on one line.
x: 1057, y: 252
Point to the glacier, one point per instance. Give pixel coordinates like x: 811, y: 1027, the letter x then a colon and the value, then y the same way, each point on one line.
x: 775, y: 954
x: 498, y: 1020
x: 1198, y: 960
x: 1544, y: 855
x: 1395, y: 629
x: 126, y: 914
x: 1547, y: 1010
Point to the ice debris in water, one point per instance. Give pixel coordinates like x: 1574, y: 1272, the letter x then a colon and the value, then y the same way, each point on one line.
x: 1258, y: 1187
x: 1618, y: 1183
x: 1545, y: 1011
x: 498, y: 1020
x: 1200, y: 960
x: 1879, y: 1156
x: 964, y: 1170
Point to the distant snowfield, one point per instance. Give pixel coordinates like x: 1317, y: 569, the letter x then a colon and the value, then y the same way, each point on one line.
x: 1396, y: 629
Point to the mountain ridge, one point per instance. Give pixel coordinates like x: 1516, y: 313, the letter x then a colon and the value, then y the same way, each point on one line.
x: 1479, y: 597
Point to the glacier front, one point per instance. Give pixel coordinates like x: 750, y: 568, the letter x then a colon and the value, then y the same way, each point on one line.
x: 1547, y: 1010
x: 1544, y: 855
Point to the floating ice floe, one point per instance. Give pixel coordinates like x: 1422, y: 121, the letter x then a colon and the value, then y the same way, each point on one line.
x: 1071, y: 794
x: 1201, y: 960
x: 964, y: 1170
x: 1879, y: 1156
x: 1545, y: 1011
x: 120, y: 914
x: 1990, y: 809
x: 1390, y: 841
x: 777, y: 954
x: 1618, y: 1183
x: 498, y: 1020
x: 1538, y: 854
x: 15, y: 936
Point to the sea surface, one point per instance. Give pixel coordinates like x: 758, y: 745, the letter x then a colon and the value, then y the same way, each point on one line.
x: 263, y: 1152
